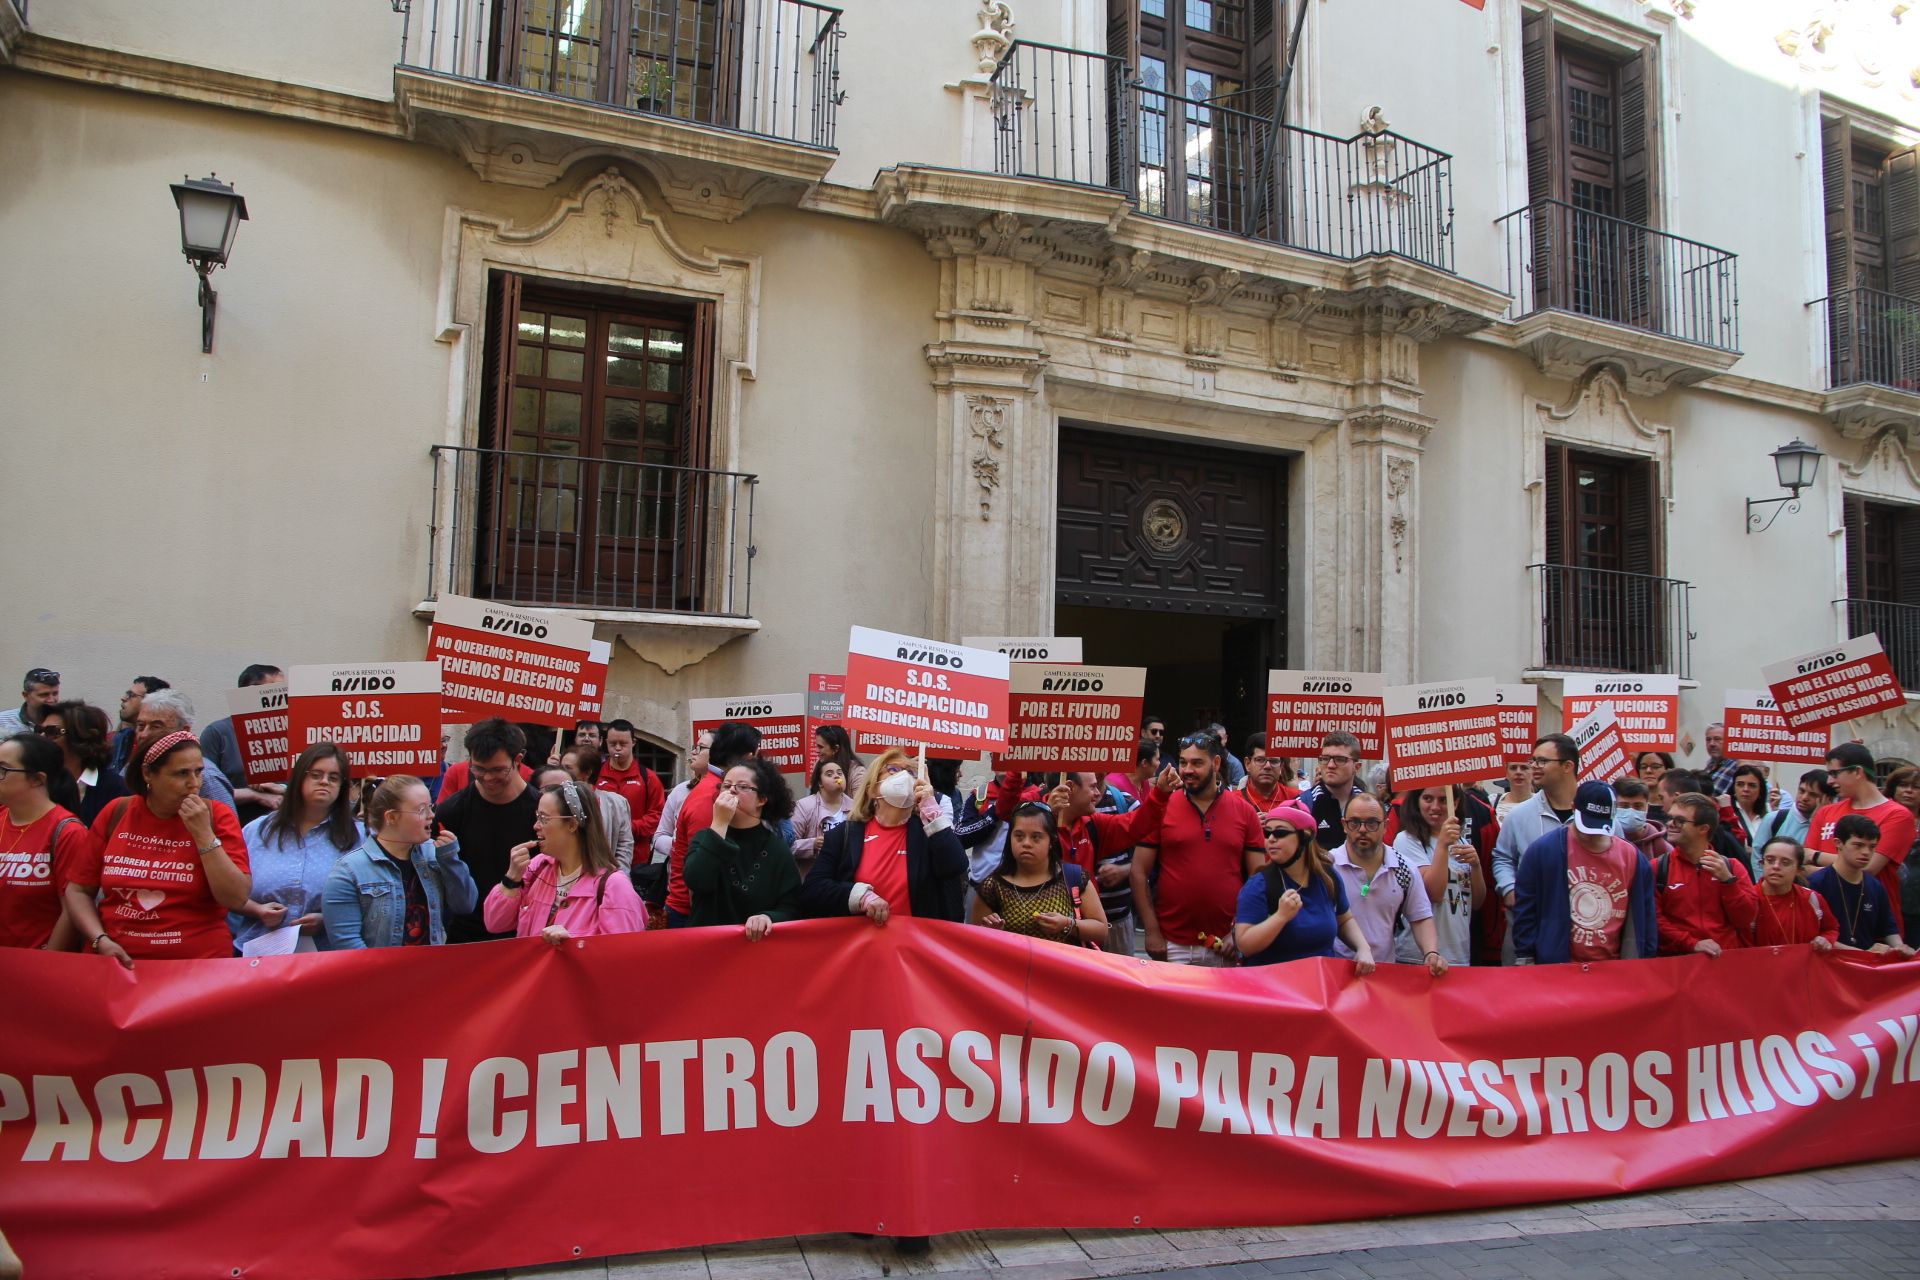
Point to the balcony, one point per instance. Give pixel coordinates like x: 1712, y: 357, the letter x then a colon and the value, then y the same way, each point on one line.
x: 1898, y: 626
x: 1872, y: 340
x: 727, y: 103
x: 1070, y: 116
x: 1589, y: 288
x: 1605, y: 620
x: 652, y: 551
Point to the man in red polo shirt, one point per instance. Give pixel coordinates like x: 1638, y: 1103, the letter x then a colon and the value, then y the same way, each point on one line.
x: 1850, y: 767
x: 1209, y: 843
x: 732, y: 743
x: 1702, y: 896
x: 621, y: 773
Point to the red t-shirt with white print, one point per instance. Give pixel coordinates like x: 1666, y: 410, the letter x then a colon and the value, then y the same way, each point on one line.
x: 154, y: 897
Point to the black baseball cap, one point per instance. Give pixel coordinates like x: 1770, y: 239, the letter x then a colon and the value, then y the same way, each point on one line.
x: 1593, y: 809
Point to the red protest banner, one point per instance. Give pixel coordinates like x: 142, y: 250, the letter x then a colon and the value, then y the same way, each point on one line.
x: 386, y: 715
x: 1757, y: 731
x: 175, y: 1111
x: 1836, y: 684
x: 259, y: 716
x: 1647, y: 708
x: 1442, y: 733
x: 1058, y: 650
x: 1603, y: 757
x: 1073, y: 718
x: 1519, y: 719
x: 593, y: 679
x: 1305, y: 706
x: 501, y: 661
x: 925, y: 692
x: 781, y: 719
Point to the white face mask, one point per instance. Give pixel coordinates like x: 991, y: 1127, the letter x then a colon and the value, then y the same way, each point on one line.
x: 897, y: 789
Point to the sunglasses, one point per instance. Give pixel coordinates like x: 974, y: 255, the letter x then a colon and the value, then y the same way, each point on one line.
x: 1275, y: 833
x: 52, y: 729
x: 40, y: 675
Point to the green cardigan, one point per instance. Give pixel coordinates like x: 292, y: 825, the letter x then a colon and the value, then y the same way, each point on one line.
x: 751, y: 874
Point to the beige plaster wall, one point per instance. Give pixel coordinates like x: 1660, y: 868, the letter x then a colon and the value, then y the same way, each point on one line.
x: 271, y: 501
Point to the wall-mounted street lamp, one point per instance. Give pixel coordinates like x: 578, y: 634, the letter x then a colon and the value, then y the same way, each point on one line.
x: 1796, y: 463
x: 210, y: 213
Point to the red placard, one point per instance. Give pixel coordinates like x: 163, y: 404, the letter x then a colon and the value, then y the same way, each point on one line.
x: 259, y: 716
x: 1073, y: 718
x: 781, y: 719
x: 926, y: 692
x: 1305, y: 706
x: 593, y: 679
x: 826, y: 699
x: 1646, y: 707
x: 499, y: 661
x: 1519, y: 719
x: 385, y: 715
x: 1834, y: 685
x: 175, y: 1112
x: 1603, y: 756
x: 1757, y: 731
x: 1442, y: 733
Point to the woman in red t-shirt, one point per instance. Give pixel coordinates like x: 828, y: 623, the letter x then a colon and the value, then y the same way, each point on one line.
x: 41, y: 842
x: 167, y: 863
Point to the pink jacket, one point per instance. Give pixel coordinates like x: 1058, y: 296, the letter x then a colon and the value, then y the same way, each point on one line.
x: 588, y: 909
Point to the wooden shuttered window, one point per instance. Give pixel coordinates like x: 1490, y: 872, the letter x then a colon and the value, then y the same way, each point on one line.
x: 1572, y: 538
x: 1605, y: 605
x: 1902, y: 187
x: 1123, y: 46
x: 1883, y: 580
x: 595, y: 418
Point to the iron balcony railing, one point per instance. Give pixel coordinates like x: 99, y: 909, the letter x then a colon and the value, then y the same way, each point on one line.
x: 589, y: 532
x: 1872, y: 336
x: 1560, y: 258
x: 1074, y: 116
x: 1898, y: 626
x: 1606, y: 620
x: 765, y: 67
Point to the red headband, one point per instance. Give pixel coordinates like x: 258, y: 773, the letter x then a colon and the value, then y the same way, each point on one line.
x: 168, y: 743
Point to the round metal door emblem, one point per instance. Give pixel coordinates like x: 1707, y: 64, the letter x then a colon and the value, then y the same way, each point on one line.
x: 1164, y: 524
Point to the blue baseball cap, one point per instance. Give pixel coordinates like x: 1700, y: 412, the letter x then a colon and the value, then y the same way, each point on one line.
x: 1593, y: 809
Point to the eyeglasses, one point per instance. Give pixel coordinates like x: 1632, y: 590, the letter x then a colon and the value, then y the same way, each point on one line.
x: 495, y: 771
x: 1365, y: 824
x: 324, y: 779
x: 52, y: 729
x: 739, y: 787
x: 40, y: 675
x: 1336, y: 759
x: 6, y: 769
x: 1846, y: 768
x: 420, y: 811
x: 542, y: 819
x: 1544, y: 761
x: 1199, y: 740
x: 1275, y: 833
x: 890, y: 770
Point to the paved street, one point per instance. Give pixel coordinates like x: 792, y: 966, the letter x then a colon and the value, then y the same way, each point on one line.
x: 1858, y: 1221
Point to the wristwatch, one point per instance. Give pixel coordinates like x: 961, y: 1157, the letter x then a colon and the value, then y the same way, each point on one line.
x: 508, y: 882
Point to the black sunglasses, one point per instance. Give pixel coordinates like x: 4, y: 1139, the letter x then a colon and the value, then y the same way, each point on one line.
x: 40, y: 675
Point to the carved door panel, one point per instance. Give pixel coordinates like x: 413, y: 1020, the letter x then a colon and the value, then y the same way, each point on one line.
x: 1146, y: 524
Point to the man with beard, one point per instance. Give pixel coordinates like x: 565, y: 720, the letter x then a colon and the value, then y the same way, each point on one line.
x: 1209, y: 843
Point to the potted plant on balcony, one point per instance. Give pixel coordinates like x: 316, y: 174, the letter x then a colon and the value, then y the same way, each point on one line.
x: 653, y: 87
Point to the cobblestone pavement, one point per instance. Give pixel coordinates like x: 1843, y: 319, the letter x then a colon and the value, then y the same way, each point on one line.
x: 1858, y: 1220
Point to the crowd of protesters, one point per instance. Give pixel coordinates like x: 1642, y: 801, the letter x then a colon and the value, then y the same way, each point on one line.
x: 152, y: 843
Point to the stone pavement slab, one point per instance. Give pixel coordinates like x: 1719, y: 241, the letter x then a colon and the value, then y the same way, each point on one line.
x: 1860, y: 1221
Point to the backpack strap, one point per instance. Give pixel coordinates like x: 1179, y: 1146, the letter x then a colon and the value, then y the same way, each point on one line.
x: 600, y: 890
x: 1660, y: 872
x: 114, y: 817
x: 53, y: 845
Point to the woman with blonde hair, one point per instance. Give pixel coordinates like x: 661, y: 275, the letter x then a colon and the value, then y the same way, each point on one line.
x: 565, y: 883
x: 895, y: 855
x: 403, y: 882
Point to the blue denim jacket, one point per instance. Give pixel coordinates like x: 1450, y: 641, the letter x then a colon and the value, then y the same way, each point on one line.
x: 365, y: 904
